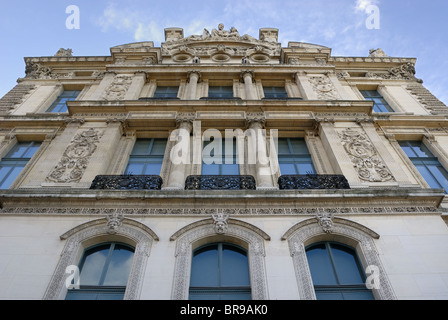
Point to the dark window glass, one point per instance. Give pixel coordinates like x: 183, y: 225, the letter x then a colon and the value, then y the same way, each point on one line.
x: 104, y: 272
x: 166, y: 92
x: 380, y: 104
x: 275, y: 92
x: 427, y: 164
x: 146, y: 157
x: 60, y: 105
x: 13, y: 163
x: 220, y: 272
x: 336, y: 272
x: 220, y: 92
x: 294, y: 157
x: 219, y: 159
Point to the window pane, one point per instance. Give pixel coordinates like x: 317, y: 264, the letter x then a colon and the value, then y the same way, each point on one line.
x: 153, y: 168
x: 346, y: 265
x: 166, y: 92
x: 210, y: 169
x: 18, y: 151
x: 426, y: 174
x: 220, y: 92
x: 141, y: 147
x: 205, y: 267
x: 158, y: 147
x: 440, y: 174
x: 305, y: 168
x: 320, y: 265
x: 288, y: 169
x: 299, y: 146
x: 119, y: 266
x: 135, y: 168
x: 11, y: 176
x: 329, y: 296
x: 235, y: 267
x: 358, y: 295
x: 230, y: 169
x: 421, y: 150
x: 93, y: 265
x: 283, y: 146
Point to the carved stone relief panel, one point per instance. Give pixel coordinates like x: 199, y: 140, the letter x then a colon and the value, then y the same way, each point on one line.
x: 369, y: 166
x: 323, y: 87
x: 118, y: 88
x: 76, y: 157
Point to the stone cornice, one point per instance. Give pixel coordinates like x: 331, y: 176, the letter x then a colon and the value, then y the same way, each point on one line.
x: 351, y: 201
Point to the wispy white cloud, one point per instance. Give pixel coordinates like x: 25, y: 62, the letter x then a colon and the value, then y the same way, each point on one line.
x: 362, y: 5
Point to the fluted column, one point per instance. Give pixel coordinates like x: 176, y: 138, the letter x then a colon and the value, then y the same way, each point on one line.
x: 193, y: 79
x: 248, y: 79
x: 180, y: 154
x: 258, y: 146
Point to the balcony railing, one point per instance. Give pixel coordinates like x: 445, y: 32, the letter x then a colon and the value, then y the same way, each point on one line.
x: 127, y: 182
x: 220, y: 183
x: 313, y: 181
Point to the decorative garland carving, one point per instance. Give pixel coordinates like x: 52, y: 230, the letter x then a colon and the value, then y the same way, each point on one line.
x: 76, y: 157
x: 364, y: 157
x: 404, y: 72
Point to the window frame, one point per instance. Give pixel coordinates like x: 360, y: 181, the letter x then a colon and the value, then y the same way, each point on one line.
x: 221, y: 93
x: 17, y: 162
x: 101, y: 289
x: 221, y: 166
x: 340, y: 288
x: 167, y: 94
x: 275, y: 95
x: 221, y: 289
x: 370, y: 95
x: 425, y: 161
x: 70, y: 95
x: 296, y: 158
x: 146, y: 159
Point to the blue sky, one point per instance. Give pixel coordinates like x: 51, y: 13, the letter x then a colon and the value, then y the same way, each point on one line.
x: 408, y: 28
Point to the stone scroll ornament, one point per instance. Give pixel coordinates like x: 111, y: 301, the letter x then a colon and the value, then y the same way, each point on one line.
x: 323, y: 87
x: 76, y: 157
x: 364, y: 157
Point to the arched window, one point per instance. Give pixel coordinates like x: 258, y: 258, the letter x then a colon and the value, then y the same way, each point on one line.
x: 220, y: 271
x: 336, y: 272
x: 104, y: 272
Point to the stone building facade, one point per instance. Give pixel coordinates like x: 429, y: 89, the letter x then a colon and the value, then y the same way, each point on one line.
x: 337, y: 162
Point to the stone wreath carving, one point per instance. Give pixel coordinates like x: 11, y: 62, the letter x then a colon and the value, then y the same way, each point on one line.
x: 76, y: 157
x: 118, y: 88
x: 323, y: 87
x: 364, y: 157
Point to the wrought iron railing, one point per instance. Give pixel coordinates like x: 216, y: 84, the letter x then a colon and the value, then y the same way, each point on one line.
x: 220, y: 183
x: 313, y: 181
x: 127, y: 182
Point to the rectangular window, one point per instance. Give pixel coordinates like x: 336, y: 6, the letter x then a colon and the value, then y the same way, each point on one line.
x: 220, y: 92
x: 146, y: 157
x: 166, y: 92
x: 60, y: 105
x: 294, y: 157
x: 380, y: 104
x: 275, y: 93
x: 217, y: 160
x: 427, y: 164
x: 13, y: 163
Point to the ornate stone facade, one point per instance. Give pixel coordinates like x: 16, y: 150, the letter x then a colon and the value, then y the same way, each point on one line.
x: 334, y: 170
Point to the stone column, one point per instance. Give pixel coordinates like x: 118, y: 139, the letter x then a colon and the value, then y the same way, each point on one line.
x: 136, y: 86
x: 248, y: 79
x: 257, y: 144
x: 305, y: 87
x: 180, y: 153
x: 108, y: 78
x: 193, y: 79
x: 342, y: 164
